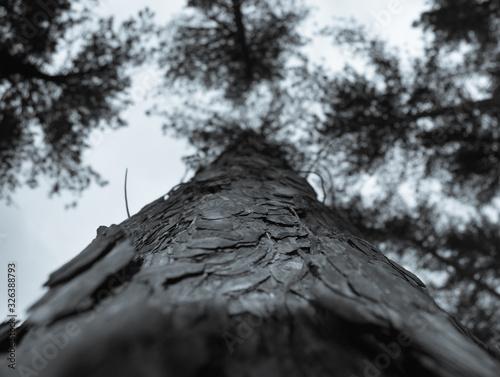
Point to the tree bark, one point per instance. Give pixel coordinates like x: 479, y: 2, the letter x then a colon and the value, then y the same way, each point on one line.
x: 240, y: 272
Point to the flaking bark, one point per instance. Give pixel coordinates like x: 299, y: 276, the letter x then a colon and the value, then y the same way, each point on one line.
x: 241, y: 272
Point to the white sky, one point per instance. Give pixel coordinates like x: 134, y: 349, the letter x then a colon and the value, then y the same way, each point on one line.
x: 40, y: 235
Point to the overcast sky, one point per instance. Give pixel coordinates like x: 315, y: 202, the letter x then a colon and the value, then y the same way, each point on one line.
x: 40, y: 235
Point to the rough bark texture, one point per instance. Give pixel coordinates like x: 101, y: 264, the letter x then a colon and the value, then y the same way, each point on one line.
x: 240, y: 272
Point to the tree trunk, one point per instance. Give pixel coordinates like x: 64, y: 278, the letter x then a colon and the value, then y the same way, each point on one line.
x: 240, y: 272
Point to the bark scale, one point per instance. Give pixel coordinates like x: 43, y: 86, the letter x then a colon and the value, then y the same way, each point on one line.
x: 240, y: 272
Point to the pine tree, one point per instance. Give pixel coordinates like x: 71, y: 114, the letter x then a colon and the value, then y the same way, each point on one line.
x: 240, y: 272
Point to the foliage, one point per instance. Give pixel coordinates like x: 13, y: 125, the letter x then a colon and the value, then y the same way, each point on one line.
x: 474, y: 22
x: 232, y: 44
x: 62, y: 76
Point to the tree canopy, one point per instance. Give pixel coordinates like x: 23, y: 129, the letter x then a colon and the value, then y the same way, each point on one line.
x: 62, y: 76
x: 232, y: 44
